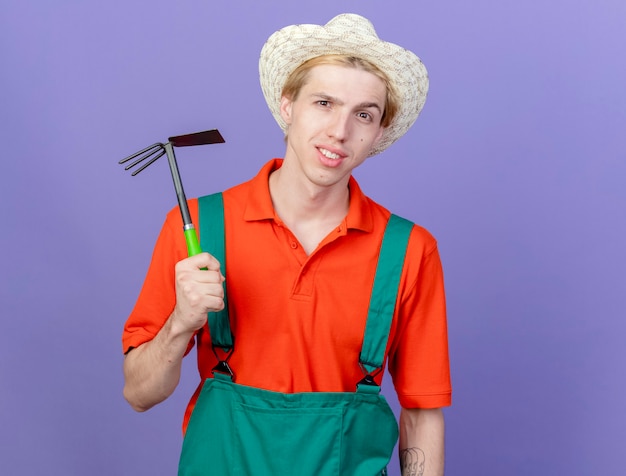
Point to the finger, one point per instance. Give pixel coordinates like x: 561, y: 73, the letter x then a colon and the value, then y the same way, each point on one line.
x: 205, y: 296
x: 200, y: 261
x: 213, y: 291
x: 205, y: 276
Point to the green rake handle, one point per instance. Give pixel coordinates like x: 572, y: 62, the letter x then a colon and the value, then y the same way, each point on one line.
x: 191, y: 237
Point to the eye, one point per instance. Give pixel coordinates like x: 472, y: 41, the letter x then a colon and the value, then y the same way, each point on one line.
x: 365, y: 116
x: 323, y: 102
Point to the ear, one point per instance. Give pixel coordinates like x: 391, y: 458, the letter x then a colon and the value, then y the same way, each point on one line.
x: 285, y: 109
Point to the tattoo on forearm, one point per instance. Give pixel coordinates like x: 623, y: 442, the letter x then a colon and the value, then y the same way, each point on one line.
x: 412, y: 462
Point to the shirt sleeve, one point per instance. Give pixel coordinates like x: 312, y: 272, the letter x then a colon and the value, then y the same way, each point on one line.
x: 418, y: 358
x: 157, y: 297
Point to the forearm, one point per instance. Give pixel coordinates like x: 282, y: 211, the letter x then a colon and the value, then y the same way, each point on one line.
x: 152, y: 370
x: 421, y: 447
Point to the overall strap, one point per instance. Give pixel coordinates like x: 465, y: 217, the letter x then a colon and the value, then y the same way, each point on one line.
x: 384, y: 294
x: 211, y: 227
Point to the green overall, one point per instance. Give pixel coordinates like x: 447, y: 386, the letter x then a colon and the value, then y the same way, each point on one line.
x: 241, y: 430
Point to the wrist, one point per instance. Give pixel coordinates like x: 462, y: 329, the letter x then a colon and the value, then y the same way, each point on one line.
x: 176, y: 328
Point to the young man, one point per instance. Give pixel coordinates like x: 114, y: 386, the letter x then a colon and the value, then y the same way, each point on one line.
x: 302, y: 256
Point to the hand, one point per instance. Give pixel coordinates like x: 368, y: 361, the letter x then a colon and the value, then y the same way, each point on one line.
x: 198, y: 291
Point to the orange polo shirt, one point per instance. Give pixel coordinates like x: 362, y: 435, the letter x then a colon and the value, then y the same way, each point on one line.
x: 299, y: 320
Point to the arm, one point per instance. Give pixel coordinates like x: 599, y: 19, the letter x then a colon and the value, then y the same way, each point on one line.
x: 421, y: 448
x: 152, y: 370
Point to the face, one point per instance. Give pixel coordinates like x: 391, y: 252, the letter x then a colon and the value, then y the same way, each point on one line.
x: 333, y: 123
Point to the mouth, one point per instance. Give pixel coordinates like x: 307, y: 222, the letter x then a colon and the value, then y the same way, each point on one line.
x: 328, y: 154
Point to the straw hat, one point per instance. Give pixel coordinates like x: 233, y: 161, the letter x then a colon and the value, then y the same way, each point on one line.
x: 346, y: 34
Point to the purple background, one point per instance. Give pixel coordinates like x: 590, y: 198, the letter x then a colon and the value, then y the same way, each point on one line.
x: 516, y: 165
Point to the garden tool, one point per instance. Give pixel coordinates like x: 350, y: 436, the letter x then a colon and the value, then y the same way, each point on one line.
x: 154, y: 152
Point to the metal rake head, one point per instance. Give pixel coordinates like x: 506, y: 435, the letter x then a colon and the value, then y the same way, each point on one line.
x: 155, y: 151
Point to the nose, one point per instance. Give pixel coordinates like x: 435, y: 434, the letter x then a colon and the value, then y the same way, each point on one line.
x: 339, y: 126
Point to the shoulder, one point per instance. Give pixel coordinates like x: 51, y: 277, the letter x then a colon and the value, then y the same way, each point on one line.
x: 421, y: 240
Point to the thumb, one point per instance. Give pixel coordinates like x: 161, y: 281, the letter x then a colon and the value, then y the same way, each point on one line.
x: 204, y: 261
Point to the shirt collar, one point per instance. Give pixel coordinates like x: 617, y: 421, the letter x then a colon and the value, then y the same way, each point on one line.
x: 259, y: 202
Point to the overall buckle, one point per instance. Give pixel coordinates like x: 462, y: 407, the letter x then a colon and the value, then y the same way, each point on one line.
x: 222, y: 366
x: 368, y: 379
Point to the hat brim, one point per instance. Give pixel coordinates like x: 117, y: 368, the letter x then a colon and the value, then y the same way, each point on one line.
x: 351, y: 35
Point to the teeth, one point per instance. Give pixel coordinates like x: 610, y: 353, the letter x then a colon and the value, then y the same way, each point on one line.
x: 329, y: 154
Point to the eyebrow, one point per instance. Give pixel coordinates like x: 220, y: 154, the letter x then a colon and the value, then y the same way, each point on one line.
x: 363, y: 105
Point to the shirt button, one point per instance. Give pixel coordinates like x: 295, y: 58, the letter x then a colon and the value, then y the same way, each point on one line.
x: 294, y: 245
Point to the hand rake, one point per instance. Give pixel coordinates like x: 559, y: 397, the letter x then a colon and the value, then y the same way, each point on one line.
x: 155, y: 151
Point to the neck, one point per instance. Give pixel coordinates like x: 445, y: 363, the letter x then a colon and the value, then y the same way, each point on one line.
x: 296, y: 200
x: 309, y: 211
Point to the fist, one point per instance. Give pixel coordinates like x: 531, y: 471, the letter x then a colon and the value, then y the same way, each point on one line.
x: 199, y: 290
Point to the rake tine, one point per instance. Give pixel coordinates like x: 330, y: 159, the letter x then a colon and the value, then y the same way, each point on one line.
x: 142, y: 158
x: 150, y: 162
x: 158, y: 145
x: 147, y: 153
